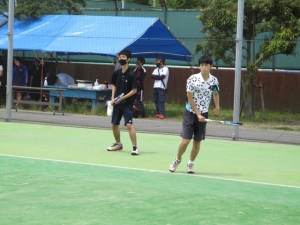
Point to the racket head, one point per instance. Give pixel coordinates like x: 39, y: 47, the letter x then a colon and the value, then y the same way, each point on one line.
x: 118, y: 97
x: 231, y: 123
x: 224, y: 122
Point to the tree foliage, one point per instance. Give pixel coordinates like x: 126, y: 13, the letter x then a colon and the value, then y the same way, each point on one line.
x: 171, y: 4
x: 36, y: 9
x: 277, y: 23
x: 140, y: 2
x: 183, y: 4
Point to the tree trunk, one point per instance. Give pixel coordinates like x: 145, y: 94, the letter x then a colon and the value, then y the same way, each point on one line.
x: 248, y: 80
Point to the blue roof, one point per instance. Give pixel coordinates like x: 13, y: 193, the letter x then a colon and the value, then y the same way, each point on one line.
x: 104, y: 35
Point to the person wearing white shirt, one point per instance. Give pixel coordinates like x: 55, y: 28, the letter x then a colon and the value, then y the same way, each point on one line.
x: 161, y: 77
x: 201, y: 88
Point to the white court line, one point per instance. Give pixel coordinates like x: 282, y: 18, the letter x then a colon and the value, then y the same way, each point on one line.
x: 128, y: 168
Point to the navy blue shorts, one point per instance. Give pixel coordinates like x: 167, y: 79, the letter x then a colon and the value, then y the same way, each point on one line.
x: 191, y: 126
x: 122, y: 110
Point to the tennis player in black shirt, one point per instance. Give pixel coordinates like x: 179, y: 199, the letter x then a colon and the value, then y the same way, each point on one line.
x: 123, y: 81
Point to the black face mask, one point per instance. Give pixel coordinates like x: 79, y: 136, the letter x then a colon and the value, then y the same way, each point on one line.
x: 122, y: 61
x: 158, y: 64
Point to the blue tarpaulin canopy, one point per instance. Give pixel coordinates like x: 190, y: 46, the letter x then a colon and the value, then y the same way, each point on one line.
x: 103, y: 35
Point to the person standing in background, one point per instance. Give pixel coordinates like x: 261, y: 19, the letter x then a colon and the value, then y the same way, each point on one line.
x: 160, y: 76
x: 35, y: 78
x: 1, y: 74
x: 19, y: 76
x: 140, y: 73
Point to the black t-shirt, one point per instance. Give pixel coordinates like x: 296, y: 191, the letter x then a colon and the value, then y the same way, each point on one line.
x: 124, y: 83
x: 36, y: 78
x: 140, y: 75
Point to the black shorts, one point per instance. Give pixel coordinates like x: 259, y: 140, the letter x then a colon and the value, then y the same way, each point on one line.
x: 192, y: 127
x: 122, y: 110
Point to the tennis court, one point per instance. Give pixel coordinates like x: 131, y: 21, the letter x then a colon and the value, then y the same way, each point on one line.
x: 63, y: 175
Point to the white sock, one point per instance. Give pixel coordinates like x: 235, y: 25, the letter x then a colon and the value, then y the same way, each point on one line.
x: 191, y: 162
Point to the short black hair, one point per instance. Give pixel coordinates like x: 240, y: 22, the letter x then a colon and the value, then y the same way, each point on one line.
x: 141, y: 59
x: 162, y: 59
x: 125, y: 52
x: 205, y: 59
x: 18, y: 59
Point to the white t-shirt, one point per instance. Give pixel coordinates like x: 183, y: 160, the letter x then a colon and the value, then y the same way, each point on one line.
x: 64, y: 79
x: 161, y: 71
x: 202, y: 91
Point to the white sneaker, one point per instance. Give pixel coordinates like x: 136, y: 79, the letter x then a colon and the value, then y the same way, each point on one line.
x: 174, y: 165
x: 190, y: 168
x: 115, y: 147
x: 135, y: 151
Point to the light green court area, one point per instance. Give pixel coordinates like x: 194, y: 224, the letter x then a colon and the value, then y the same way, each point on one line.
x: 64, y: 175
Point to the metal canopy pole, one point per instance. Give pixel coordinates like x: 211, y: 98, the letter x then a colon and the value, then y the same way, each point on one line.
x: 10, y: 34
x: 238, y: 68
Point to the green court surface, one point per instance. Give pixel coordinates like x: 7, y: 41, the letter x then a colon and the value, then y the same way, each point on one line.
x: 64, y: 175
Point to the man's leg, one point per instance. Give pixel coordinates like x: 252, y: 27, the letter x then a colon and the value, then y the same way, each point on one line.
x: 195, y: 150
x: 116, y: 132
x: 19, y: 97
x: 161, y: 101
x: 182, y: 148
x: 115, y: 121
x: 132, y: 133
x: 194, y: 153
x: 155, y: 99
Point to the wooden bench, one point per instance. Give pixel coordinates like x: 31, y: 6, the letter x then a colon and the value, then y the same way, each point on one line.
x: 32, y: 102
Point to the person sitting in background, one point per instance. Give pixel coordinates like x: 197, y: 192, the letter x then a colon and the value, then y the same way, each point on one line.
x: 64, y: 79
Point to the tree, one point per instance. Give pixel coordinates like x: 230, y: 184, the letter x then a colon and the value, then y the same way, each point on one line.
x: 277, y: 21
x: 36, y: 9
x: 183, y: 4
x: 171, y: 4
x: 140, y: 2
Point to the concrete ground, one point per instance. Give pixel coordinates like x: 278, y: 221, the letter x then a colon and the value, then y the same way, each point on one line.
x: 166, y: 126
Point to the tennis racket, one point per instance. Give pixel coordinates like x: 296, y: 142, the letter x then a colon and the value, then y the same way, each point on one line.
x: 117, y: 98
x: 224, y: 122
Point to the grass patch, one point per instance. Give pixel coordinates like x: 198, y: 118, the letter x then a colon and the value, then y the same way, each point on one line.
x: 273, y: 120
x: 283, y: 128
